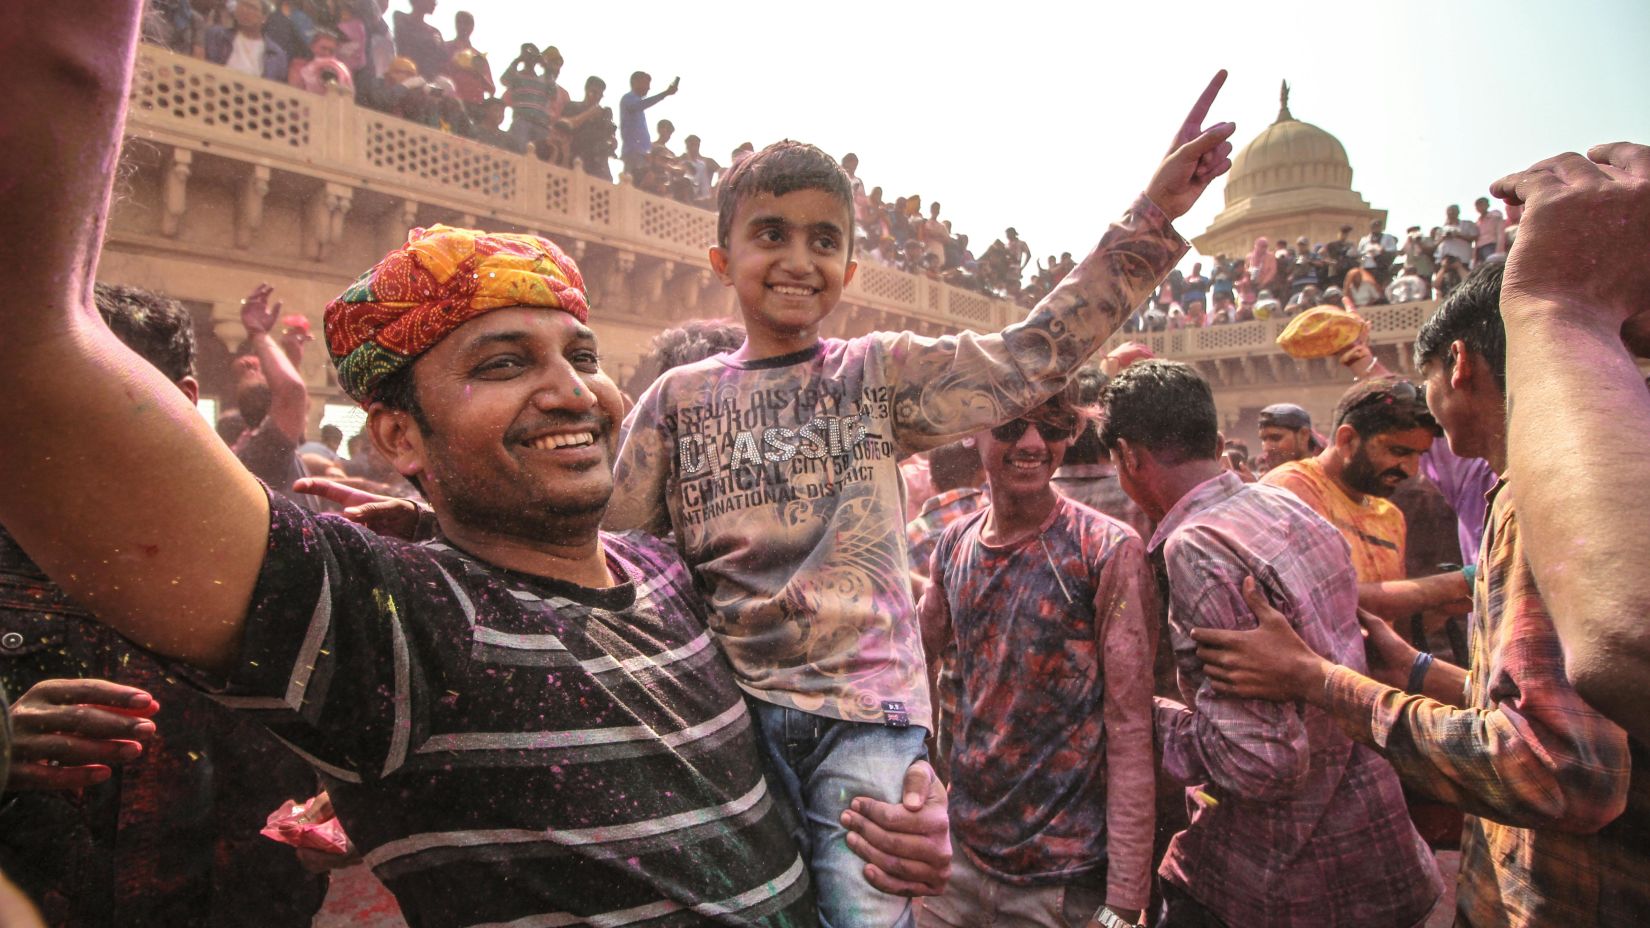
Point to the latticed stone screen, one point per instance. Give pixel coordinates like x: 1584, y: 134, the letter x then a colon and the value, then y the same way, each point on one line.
x: 1234, y: 337
x: 558, y: 194
x: 262, y: 109
x: 687, y: 226
x: 888, y: 284
x: 408, y: 149
x: 601, y: 207
x: 970, y: 306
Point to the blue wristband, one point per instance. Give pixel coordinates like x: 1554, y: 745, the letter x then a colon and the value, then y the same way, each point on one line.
x: 1418, y: 671
x: 1470, y: 572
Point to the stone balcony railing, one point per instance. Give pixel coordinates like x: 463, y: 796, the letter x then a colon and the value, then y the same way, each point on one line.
x: 197, y: 106
x: 1388, y: 325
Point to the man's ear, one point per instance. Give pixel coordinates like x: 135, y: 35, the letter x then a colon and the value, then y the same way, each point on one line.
x: 719, y: 265
x: 397, y: 437
x: 1127, y: 455
x: 1346, y: 438
x: 1461, y: 372
x: 191, y: 388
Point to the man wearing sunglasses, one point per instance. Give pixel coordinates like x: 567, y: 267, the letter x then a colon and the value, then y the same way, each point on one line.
x: 1051, y: 609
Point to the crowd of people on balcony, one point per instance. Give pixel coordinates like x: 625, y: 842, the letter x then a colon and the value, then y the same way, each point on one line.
x: 400, y: 63
x: 1348, y: 273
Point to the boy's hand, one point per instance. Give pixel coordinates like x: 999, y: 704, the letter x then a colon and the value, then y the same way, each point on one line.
x: 906, y: 845
x: 1196, y: 157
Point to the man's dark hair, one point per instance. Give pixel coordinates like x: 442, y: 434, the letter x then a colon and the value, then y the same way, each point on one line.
x: 331, y: 433
x: 783, y: 167
x: 594, y: 83
x: 1164, y: 406
x: 1386, y: 404
x: 954, y: 465
x: 399, y: 391
x: 252, y: 401
x: 638, y: 75
x: 1471, y: 313
x: 157, y: 327
x: 694, y: 340
x: 1084, y: 390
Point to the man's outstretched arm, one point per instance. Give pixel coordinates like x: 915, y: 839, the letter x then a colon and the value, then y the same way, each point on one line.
x: 1576, y: 284
x: 124, y: 495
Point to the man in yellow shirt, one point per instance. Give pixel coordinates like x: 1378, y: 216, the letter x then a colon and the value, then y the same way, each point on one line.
x: 1382, y: 427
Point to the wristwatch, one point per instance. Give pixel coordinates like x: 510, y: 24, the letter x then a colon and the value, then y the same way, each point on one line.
x: 1106, y: 918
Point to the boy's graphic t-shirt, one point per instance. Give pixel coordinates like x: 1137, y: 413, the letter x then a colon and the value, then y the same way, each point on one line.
x: 780, y: 477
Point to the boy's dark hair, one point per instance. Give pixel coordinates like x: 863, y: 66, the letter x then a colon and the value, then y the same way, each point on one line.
x: 1164, y: 406
x: 1471, y: 313
x: 157, y: 327
x: 594, y: 83
x: 783, y: 167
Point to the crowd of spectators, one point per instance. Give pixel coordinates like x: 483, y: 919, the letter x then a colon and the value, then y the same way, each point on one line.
x: 1277, y: 278
x: 400, y: 63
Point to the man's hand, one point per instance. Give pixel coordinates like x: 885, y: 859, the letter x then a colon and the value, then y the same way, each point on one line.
x: 1390, y: 657
x: 257, y: 315
x: 67, y: 733
x: 906, y: 846
x: 1196, y: 157
x: 1269, y: 662
x: 675, y: 85
x: 1581, y: 215
x: 390, y: 516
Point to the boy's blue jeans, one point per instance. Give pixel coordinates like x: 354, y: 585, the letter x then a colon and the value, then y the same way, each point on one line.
x: 821, y: 764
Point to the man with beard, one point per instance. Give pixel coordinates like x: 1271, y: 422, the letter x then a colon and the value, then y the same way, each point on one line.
x: 1382, y: 427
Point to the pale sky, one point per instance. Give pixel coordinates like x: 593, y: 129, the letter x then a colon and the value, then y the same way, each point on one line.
x: 1050, y: 116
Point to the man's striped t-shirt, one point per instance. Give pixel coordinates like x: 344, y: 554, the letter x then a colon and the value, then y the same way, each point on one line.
x: 508, y: 749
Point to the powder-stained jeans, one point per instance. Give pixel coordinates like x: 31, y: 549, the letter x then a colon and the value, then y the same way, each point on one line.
x: 822, y: 764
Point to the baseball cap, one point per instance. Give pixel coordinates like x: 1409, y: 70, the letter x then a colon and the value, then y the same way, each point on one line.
x: 1285, y: 416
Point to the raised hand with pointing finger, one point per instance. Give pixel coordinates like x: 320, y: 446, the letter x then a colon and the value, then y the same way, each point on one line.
x: 1196, y: 156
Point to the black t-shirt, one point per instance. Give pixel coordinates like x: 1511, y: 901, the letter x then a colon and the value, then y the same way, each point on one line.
x: 505, y: 747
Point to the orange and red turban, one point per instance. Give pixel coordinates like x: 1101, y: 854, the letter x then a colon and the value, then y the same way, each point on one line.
x: 441, y: 279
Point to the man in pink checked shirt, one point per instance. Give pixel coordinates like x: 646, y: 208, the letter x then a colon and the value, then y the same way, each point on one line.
x: 1292, y: 823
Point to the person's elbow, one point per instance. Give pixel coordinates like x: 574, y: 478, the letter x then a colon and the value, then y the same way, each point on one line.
x: 1611, y: 671
x: 1263, y: 770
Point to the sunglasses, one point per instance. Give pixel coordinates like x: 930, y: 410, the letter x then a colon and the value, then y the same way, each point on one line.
x: 1049, y: 431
